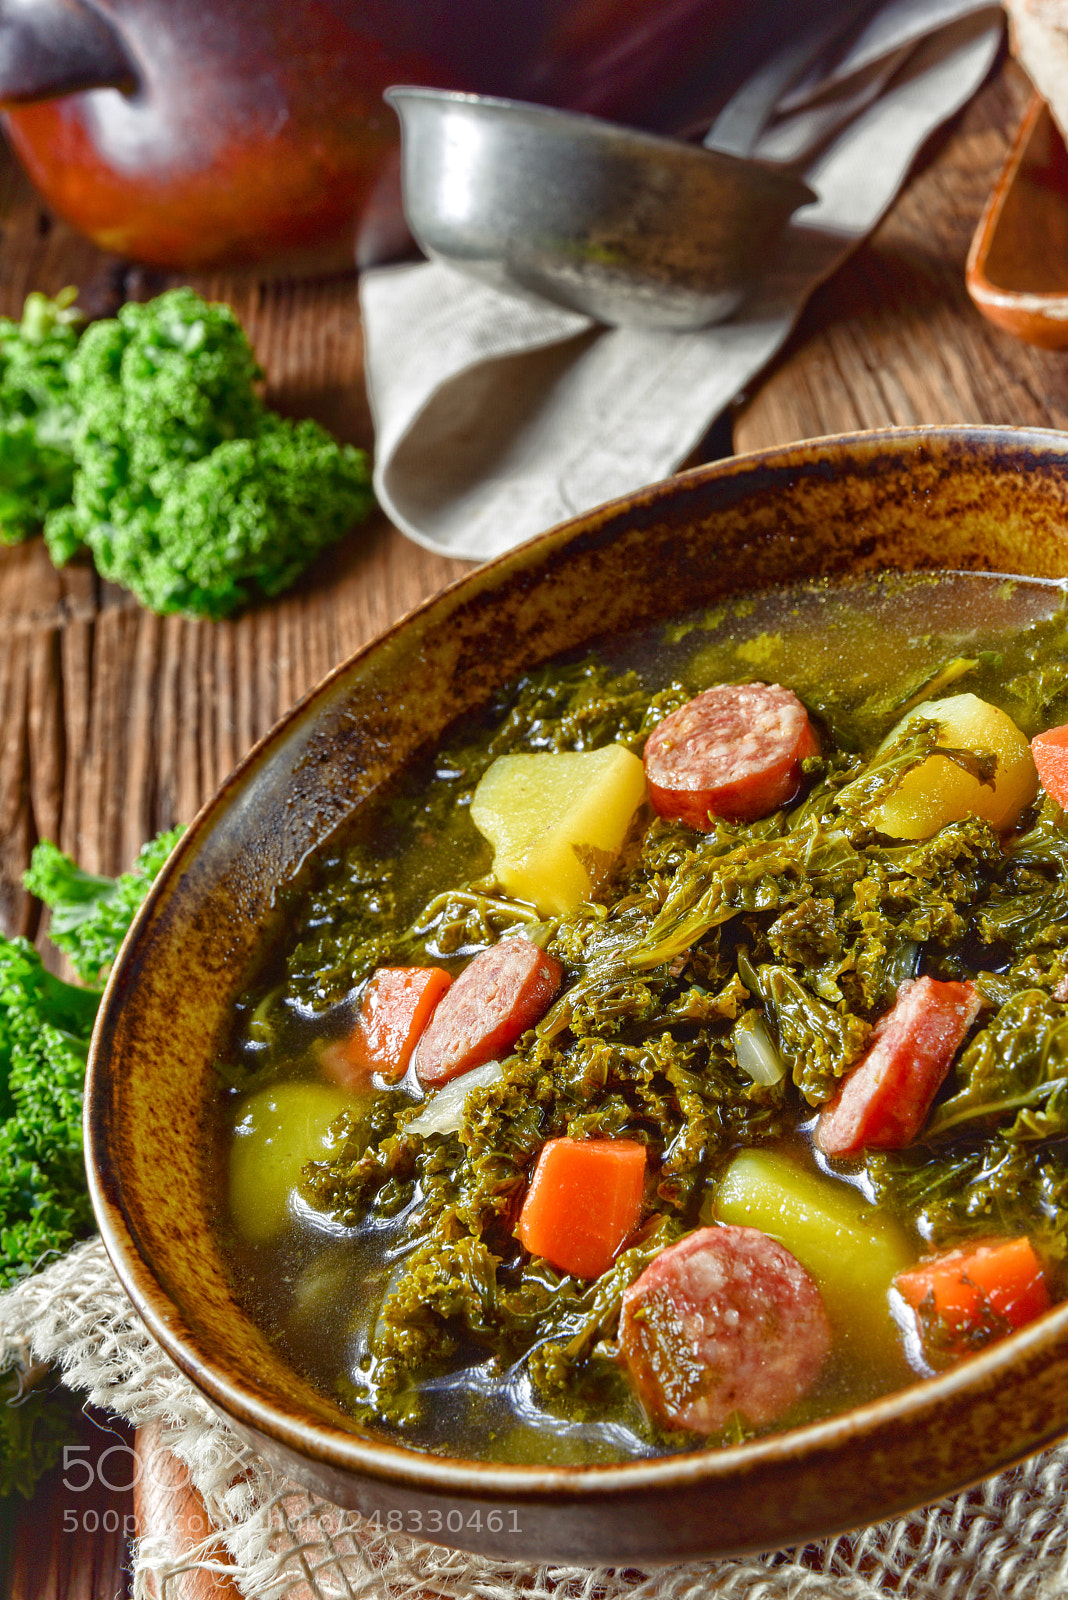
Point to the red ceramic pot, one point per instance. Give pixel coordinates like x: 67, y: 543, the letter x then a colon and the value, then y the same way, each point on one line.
x: 204, y: 133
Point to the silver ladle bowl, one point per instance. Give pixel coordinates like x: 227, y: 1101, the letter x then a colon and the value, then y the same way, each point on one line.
x: 627, y: 227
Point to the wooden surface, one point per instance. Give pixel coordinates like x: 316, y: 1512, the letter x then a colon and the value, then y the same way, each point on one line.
x: 116, y: 723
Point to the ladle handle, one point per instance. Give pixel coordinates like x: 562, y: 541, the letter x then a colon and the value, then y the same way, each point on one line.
x: 741, y: 121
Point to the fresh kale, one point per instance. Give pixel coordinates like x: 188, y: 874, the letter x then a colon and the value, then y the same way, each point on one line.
x: 147, y: 442
x: 45, y: 1027
x: 37, y: 413
x: 91, y: 914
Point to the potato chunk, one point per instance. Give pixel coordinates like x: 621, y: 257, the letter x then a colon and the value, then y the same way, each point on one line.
x: 851, y: 1249
x: 556, y: 821
x: 276, y: 1130
x: 939, y: 791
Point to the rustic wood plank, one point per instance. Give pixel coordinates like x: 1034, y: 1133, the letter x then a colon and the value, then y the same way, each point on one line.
x: 893, y: 338
x: 73, y: 1542
x: 16, y: 829
x: 117, y: 723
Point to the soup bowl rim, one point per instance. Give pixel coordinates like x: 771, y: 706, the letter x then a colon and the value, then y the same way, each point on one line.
x: 373, y: 1459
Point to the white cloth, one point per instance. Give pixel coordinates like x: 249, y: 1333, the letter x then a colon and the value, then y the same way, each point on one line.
x: 496, y: 418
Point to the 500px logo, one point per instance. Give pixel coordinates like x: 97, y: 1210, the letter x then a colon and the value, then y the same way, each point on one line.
x: 118, y: 1468
x: 87, y: 1519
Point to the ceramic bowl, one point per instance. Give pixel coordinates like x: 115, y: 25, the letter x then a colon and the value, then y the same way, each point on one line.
x: 965, y: 498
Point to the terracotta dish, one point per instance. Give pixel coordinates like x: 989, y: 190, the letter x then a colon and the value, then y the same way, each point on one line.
x: 938, y: 497
x: 1017, y: 269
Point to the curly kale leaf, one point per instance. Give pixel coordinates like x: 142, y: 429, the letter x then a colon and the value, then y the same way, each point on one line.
x: 45, y: 1026
x: 37, y: 414
x: 1027, y: 906
x: 818, y: 1042
x: 916, y: 742
x: 976, y: 1188
x: 1015, y: 1067
x: 765, y: 868
x: 90, y: 913
x: 188, y: 490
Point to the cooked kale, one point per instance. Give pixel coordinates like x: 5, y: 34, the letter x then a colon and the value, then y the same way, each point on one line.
x: 799, y: 927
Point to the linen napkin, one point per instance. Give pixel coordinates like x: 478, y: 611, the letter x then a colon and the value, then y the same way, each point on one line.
x: 496, y: 418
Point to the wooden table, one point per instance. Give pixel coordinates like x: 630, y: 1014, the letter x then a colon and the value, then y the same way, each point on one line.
x: 117, y: 723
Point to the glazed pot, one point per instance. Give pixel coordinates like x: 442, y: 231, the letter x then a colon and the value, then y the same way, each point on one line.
x: 940, y: 497
x: 245, y: 132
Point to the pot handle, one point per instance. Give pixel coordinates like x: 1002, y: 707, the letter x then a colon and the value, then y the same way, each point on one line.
x: 56, y: 47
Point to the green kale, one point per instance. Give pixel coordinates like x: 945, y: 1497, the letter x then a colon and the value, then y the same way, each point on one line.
x: 45, y: 1026
x: 1027, y: 906
x: 818, y: 1042
x: 37, y: 414
x: 1015, y: 1068
x: 91, y: 914
x: 915, y: 743
x: 187, y: 489
x: 977, y: 1187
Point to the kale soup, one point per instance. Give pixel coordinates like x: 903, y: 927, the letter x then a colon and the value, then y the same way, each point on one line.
x: 679, y: 1051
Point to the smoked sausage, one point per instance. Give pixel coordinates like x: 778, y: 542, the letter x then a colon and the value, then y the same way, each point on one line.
x: 884, y: 1101
x: 726, y: 1322
x: 502, y: 992
x: 734, y: 751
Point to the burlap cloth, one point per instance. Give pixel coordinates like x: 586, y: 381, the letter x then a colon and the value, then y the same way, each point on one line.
x: 1007, y: 1538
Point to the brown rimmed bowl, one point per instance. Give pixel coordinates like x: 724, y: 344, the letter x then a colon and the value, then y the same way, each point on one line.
x: 986, y: 498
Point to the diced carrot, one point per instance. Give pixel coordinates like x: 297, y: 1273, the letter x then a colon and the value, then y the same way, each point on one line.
x: 1050, y: 751
x: 584, y: 1199
x: 397, y: 1004
x: 967, y: 1291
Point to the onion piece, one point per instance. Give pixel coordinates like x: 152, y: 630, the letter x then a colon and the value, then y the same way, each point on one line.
x: 444, y: 1109
x: 756, y: 1054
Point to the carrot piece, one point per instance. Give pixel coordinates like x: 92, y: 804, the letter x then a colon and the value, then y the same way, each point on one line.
x: 1050, y: 751
x: 397, y: 1004
x: 584, y: 1199
x: 975, y: 1293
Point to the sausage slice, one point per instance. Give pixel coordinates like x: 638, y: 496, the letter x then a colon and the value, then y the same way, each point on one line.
x: 734, y: 751
x: 504, y: 991
x: 885, y: 1099
x: 725, y: 1322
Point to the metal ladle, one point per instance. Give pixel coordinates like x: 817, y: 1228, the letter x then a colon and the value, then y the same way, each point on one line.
x: 627, y: 227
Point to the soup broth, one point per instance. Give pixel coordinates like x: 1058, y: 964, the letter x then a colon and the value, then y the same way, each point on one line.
x: 716, y: 988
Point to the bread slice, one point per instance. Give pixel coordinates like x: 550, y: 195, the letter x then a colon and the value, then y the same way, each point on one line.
x: 1038, y: 37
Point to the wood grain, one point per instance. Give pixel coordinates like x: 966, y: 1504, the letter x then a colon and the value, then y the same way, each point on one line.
x: 72, y: 1541
x: 893, y: 339
x: 117, y: 723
